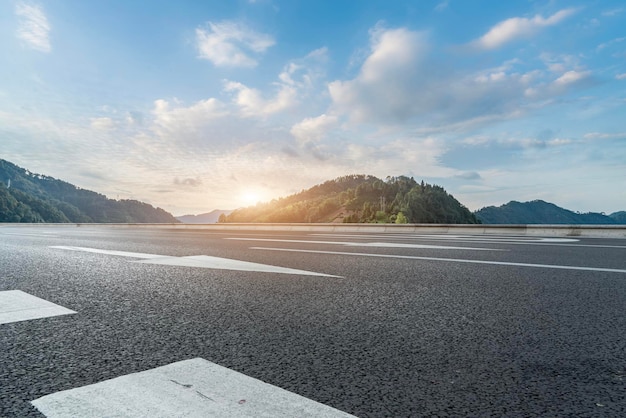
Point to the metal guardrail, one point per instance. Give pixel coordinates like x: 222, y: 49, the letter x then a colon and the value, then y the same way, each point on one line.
x: 590, y: 231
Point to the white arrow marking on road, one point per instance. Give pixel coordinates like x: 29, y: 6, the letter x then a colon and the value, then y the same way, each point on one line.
x: 16, y: 306
x: 200, y: 261
x: 189, y: 388
x: 368, y: 244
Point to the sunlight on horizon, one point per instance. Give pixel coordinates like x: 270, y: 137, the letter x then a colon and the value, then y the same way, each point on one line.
x: 251, y: 197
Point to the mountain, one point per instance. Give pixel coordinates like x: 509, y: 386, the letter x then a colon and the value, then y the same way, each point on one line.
x: 540, y: 212
x: 361, y: 198
x: 204, y: 218
x: 619, y: 217
x: 29, y: 197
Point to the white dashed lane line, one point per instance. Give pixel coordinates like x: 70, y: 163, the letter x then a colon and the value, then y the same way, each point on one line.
x: 366, y: 244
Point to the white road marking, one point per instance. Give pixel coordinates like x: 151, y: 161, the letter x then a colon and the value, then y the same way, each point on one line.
x: 367, y: 244
x: 453, y: 260
x: 199, y: 261
x: 108, y: 252
x: 479, y: 238
x: 24, y: 234
x: 189, y: 388
x: 16, y: 306
x: 562, y: 242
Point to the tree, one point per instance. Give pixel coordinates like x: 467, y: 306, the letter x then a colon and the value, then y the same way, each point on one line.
x: 401, y: 219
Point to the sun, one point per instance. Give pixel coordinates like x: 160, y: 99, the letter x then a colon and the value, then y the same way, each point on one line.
x: 250, y: 197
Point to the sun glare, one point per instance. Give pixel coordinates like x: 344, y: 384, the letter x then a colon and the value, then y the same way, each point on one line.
x: 250, y: 197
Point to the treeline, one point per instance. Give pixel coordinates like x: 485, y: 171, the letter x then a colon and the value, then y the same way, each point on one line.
x: 540, y: 212
x: 361, y: 199
x: 28, y: 197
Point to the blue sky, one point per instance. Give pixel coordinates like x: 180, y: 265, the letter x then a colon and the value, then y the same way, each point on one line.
x: 198, y: 105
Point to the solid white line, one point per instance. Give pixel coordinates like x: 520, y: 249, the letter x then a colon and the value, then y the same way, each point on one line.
x: 200, y: 261
x: 467, y: 238
x: 561, y: 242
x: 454, y: 260
x: 367, y: 244
x: 16, y: 306
x: 23, y: 234
x: 189, y: 388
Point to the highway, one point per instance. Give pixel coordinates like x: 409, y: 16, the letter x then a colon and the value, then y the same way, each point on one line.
x: 247, y: 323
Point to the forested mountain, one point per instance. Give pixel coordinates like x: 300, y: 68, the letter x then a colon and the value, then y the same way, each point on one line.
x: 29, y: 197
x: 540, y: 212
x: 619, y: 217
x: 361, y: 198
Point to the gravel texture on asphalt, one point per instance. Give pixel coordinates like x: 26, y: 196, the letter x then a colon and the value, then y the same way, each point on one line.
x: 391, y: 337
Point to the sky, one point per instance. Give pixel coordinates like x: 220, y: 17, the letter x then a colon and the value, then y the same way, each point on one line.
x: 199, y: 105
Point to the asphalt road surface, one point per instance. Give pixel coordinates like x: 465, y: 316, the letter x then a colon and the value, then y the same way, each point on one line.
x: 370, y: 324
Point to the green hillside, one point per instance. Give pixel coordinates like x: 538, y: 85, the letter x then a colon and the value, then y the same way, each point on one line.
x: 619, y: 217
x: 540, y: 212
x: 29, y: 197
x: 363, y: 199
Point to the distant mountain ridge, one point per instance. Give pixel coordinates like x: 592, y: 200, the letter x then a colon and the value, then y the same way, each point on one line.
x: 204, y: 218
x: 362, y: 199
x: 541, y: 212
x: 30, y: 197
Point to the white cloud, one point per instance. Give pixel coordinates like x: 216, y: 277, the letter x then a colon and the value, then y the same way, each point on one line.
x: 193, y: 125
x: 620, y: 76
x: 252, y: 103
x: 511, y: 142
x: 33, y: 27
x: 312, y: 130
x: 517, y: 28
x: 385, y: 86
x: 571, y: 77
x: 602, y: 135
x: 468, y: 175
x: 297, y: 79
x: 231, y: 44
x: 565, y: 83
x: 102, y: 124
x: 610, y: 43
x: 559, y: 63
x: 401, y: 84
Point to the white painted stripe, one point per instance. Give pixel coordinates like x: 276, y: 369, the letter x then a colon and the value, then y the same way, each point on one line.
x: 108, y: 252
x: 455, y: 237
x: 561, y: 242
x: 189, y: 388
x: 16, y: 306
x: 367, y: 244
x: 453, y: 260
x: 21, y: 234
x: 200, y: 261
